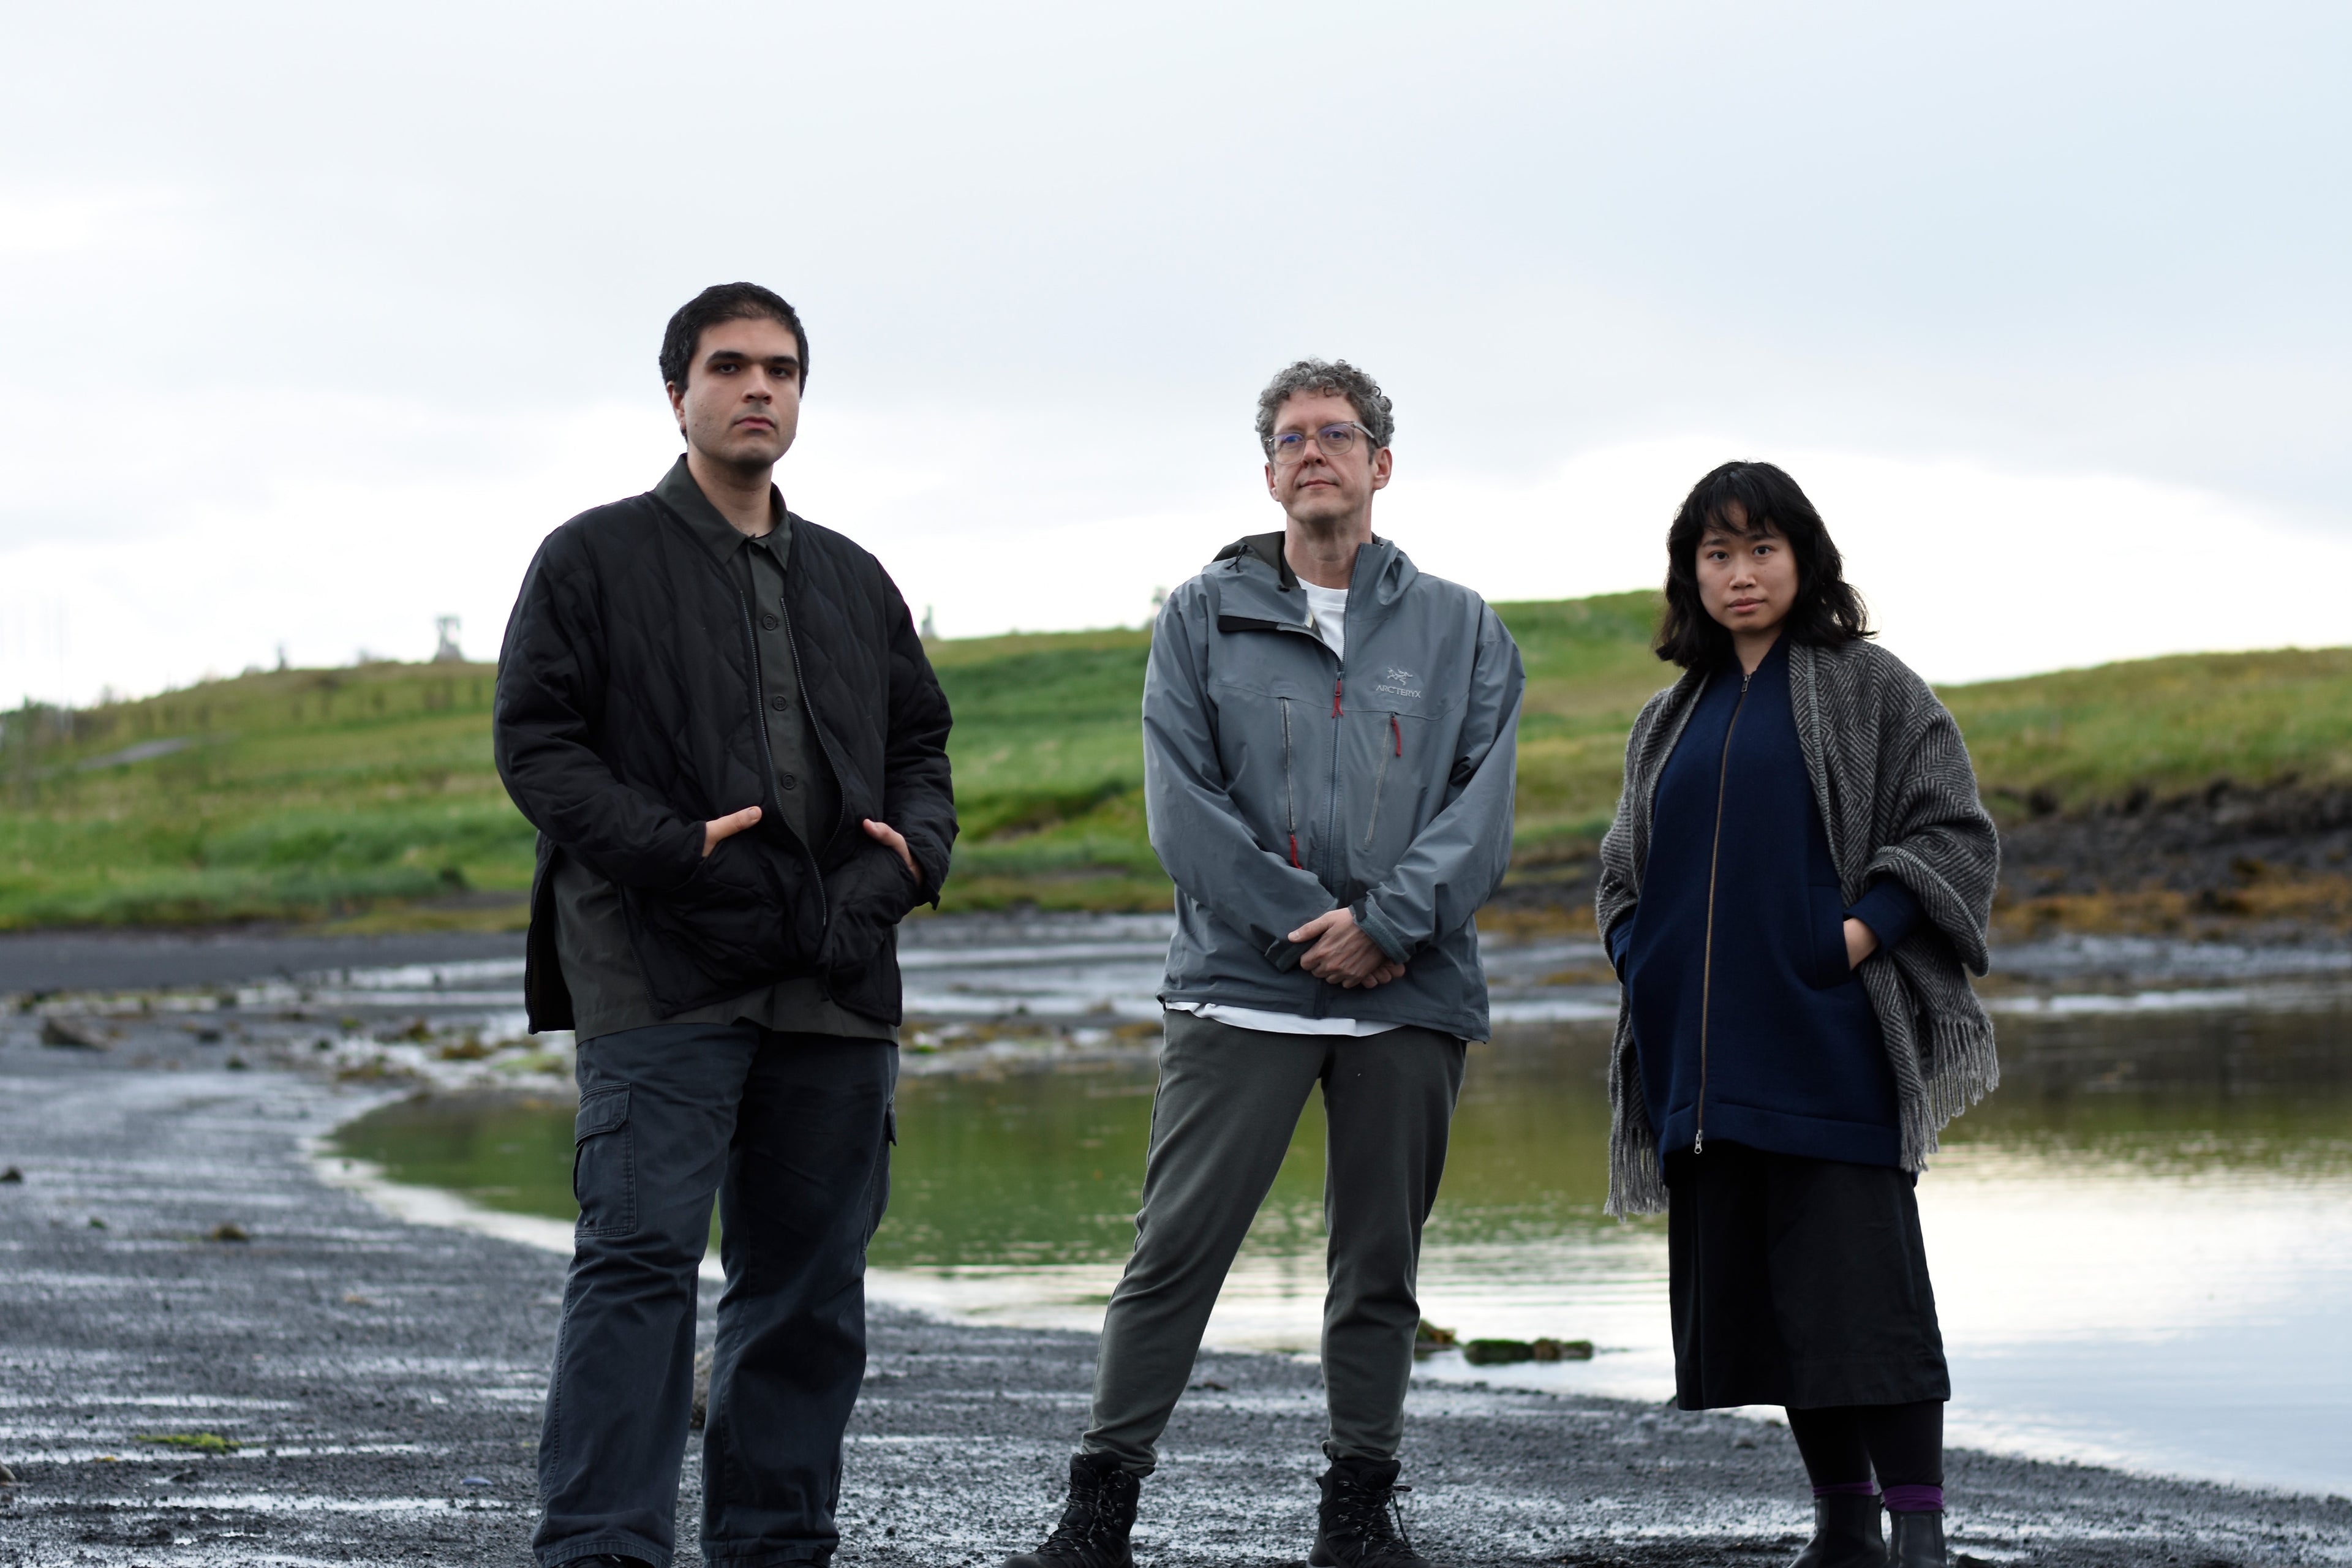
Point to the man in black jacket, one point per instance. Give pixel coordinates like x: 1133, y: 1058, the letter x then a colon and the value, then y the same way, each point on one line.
x: 721, y: 721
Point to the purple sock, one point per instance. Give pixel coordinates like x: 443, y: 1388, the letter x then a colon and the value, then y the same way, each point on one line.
x: 1851, y: 1488
x: 1915, y: 1499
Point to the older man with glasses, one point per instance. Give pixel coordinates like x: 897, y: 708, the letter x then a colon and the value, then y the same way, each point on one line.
x: 1329, y: 739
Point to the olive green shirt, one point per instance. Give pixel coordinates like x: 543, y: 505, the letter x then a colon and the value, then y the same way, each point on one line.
x: 591, y: 938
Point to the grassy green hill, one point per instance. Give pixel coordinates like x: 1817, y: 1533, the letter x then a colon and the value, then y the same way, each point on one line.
x: 368, y: 793
x: 295, y: 794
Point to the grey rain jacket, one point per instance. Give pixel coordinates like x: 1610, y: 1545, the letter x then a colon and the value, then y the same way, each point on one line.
x: 1281, y: 784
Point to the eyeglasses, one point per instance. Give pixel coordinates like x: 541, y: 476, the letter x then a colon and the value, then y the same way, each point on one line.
x: 1332, y: 440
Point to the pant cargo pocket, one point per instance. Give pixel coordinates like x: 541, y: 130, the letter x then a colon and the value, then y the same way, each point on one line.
x: 603, y: 1165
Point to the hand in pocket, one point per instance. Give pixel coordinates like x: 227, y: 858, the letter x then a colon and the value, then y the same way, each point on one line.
x: 720, y: 829
x: 1861, y: 942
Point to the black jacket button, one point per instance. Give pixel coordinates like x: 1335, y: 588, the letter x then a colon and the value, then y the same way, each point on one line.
x: 789, y: 782
x: 769, y: 622
x: 778, y: 703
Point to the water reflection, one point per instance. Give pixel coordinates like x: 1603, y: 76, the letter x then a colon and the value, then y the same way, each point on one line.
x: 2142, y: 1243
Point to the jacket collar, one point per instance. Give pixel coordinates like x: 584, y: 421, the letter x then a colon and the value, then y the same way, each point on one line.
x: 1258, y: 591
x: 679, y: 492
x: 1266, y: 549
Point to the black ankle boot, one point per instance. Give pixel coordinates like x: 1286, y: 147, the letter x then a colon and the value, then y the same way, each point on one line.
x: 1845, y: 1534
x: 1095, y: 1521
x: 1353, y: 1528
x: 1918, y: 1541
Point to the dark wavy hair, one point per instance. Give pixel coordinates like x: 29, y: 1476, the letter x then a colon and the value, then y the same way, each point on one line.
x: 1750, y: 499
x: 725, y: 302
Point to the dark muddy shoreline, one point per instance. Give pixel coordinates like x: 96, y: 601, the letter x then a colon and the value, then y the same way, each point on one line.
x: 380, y: 1381
x: 2267, y: 865
x: 2263, y: 865
x: 36, y: 961
x: 2257, y: 864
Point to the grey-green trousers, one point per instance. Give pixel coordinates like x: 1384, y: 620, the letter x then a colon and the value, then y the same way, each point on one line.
x: 1227, y: 1103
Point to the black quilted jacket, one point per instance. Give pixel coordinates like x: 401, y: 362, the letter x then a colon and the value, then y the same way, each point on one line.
x: 627, y: 716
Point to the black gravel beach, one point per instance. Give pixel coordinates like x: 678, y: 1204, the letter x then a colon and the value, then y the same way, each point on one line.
x: 209, y: 1355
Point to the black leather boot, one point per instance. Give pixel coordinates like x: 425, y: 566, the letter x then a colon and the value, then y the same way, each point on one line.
x: 1918, y: 1541
x: 1845, y: 1534
x: 1353, y: 1522
x: 1095, y: 1521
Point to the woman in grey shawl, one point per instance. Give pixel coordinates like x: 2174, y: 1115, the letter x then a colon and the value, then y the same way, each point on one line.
x: 1799, y: 878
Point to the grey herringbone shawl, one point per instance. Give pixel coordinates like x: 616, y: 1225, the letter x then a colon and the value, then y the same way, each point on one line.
x: 1897, y: 797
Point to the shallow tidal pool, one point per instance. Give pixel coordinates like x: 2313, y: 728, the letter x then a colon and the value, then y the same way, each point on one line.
x: 2142, y: 1244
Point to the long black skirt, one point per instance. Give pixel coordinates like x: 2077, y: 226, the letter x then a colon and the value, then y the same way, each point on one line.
x: 1798, y: 1282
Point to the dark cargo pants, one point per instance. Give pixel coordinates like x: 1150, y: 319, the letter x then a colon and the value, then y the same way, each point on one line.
x: 790, y: 1133
x: 1228, y: 1101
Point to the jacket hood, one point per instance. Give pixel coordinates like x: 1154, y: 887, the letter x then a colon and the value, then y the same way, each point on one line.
x: 1266, y: 549
x: 1254, y: 587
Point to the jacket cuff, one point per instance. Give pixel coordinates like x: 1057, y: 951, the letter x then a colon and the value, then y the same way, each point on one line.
x: 1285, y: 954
x: 687, y: 850
x: 926, y: 849
x: 1890, y: 909
x: 1620, y: 939
x: 1385, y: 936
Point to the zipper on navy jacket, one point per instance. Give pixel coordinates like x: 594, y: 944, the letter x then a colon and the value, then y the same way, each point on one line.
x: 1713, y: 858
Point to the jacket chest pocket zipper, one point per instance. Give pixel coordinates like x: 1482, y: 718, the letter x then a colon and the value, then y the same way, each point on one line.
x: 1289, y: 790
x: 1396, y: 737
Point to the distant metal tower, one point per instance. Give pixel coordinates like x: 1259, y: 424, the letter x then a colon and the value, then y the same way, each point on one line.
x: 445, y: 627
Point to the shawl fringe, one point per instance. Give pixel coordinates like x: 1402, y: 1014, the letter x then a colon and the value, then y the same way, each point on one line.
x: 1962, y: 1068
x: 1637, y: 1182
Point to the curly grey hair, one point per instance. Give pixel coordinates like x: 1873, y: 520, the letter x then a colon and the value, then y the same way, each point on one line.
x: 1338, y: 378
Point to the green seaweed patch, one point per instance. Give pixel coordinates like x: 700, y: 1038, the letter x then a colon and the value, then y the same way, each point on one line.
x: 1502, y: 1352
x: 196, y: 1441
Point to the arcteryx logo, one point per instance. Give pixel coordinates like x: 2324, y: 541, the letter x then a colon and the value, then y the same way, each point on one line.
x: 1399, y: 683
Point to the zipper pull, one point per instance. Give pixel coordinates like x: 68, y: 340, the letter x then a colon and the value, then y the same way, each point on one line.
x: 1699, y: 1142
x: 1335, y: 695
x: 1398, y: 731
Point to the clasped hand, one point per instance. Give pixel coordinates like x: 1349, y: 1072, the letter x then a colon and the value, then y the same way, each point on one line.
x: 1339, y: 952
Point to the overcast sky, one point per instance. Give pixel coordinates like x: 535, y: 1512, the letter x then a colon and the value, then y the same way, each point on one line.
x: 314, y: 321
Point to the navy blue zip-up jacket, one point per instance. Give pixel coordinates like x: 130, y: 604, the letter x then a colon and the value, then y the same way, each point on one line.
x: 1748, y: 1021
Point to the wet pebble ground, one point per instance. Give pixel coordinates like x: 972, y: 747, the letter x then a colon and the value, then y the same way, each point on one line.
x: 341, y: 1387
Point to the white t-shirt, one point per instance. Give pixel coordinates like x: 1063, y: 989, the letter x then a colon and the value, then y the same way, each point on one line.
x: 1280, y: 1023
x: 1328, y: 608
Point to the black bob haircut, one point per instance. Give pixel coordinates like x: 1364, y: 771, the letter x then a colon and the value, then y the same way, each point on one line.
x: 724, y: 302
x: 1749, y: 500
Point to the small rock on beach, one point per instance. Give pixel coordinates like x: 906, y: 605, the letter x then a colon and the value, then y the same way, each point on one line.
x: 75, y: 1034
